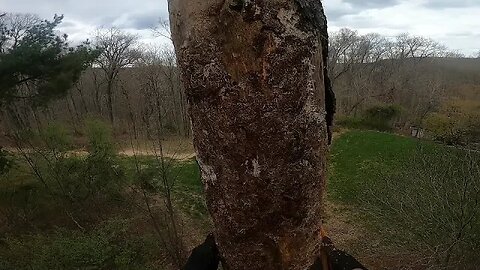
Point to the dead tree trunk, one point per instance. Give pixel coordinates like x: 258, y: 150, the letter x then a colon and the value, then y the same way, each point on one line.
x: 253, y: 71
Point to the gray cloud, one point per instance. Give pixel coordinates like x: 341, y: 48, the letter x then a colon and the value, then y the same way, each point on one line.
x: 341, y: 8
x: 93, y: 12
x: 369, y: 4
x: 454, y: 22
x: 142, y: 21
x: 68, y: 24
x: 445, y: 4
x: 335, y: 14
x: 361, y: 21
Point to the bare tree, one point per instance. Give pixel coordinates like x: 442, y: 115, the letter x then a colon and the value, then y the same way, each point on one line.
x: 340, y: 54
x: 158, y: 73
x: 167, y: 225
x: 13, y: 26
x: 408, y: 46
x: 118, y: 50
x: 162, y: 29
x: 454, y: 54
x: 369, y: 69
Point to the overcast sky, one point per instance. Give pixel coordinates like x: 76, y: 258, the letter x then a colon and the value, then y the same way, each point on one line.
x: 455, y: 23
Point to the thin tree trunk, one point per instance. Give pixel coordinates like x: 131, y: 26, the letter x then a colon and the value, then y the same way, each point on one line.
x: 183, y: 109
x: 97, y: 100
x: 75, y: 107
x: 110, y: 100
x: 254, y: 78
x: 82, y: 98
x: 176, y: 111
x: 72, y: 116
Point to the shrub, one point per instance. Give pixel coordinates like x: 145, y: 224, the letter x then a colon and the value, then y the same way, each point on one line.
x: 380, y: 117
x: 431, y: 206
x: 74, y: 180
x: 444, y: 128
x: 457, y: 122
x: 100, y: 139
x: 109, y: 246
x: 56, y: 138
x: 350, y: 122
x: 102, y: 171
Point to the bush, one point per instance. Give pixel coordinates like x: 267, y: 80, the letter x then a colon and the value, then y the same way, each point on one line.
x: 380, y: 117
x: 456, y: 123
x: 56, y: 138
x: 107, y: 247
x: 444, y: 128
x: 102, y: 171
x: 430, y: 205
x: 73, y: 180
x: 350, y: 122
x: 100, y: 139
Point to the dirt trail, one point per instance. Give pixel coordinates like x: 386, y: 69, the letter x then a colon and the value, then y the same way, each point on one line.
x: 340, y: 226
x: 129, y: 152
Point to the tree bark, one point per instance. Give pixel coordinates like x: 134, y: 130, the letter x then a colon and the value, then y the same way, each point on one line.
x: 253, y: 72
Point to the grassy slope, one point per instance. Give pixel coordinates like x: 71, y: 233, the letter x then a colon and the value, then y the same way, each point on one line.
x: 187, y: 187
x: 420, y: 209
x: 359, y: 157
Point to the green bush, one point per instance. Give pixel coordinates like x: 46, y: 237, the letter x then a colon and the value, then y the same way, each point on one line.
x: 56, y: 138
x: 350, y: 122
x: 456, y: 123
x: 100, y: 139
x: 107, y: 247
x: 380, y: 117
x: 444, y: 128
x: 72, y: 178
x: 102, y: 171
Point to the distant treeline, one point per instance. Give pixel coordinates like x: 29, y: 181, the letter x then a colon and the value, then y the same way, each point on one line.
x: 133, y: 83
x: 429, y: 86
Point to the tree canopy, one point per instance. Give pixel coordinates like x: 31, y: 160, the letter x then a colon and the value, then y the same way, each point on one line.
x: 36, y: 63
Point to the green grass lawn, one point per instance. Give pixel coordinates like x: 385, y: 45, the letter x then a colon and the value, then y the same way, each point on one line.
x: 418, y: 198
x: 359, y: 158
x: 183, y: 175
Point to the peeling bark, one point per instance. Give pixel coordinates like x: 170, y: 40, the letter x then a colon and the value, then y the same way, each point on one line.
x: 254, y: 74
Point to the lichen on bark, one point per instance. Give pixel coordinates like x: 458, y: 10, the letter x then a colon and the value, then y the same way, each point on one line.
x: 254, y: 76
